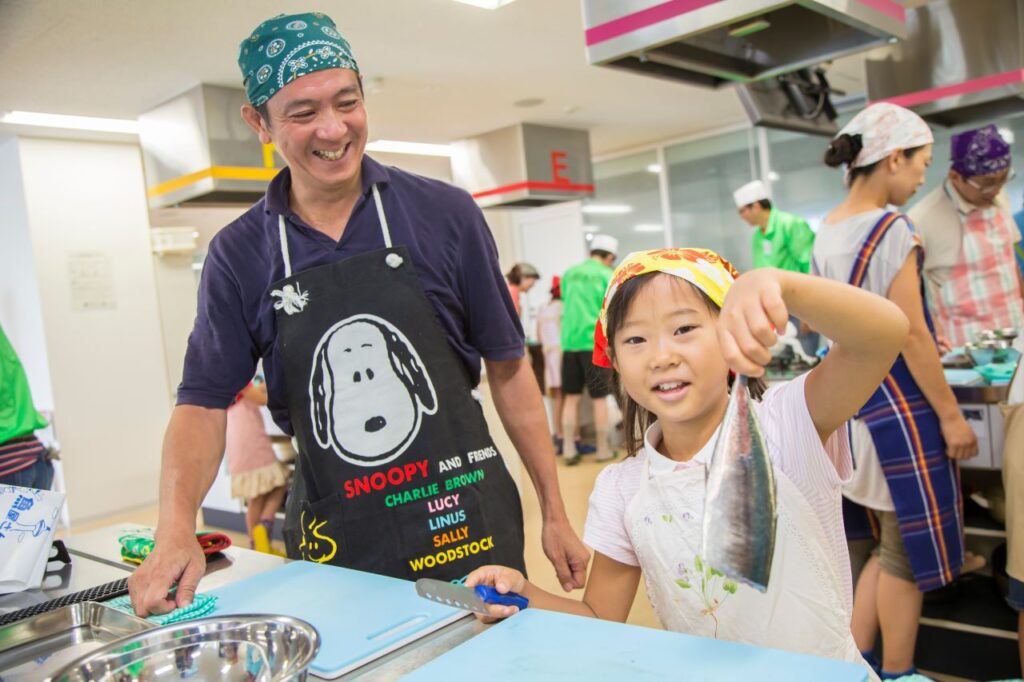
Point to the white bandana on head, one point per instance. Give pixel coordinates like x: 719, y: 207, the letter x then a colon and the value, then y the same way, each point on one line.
x: 885, y: 128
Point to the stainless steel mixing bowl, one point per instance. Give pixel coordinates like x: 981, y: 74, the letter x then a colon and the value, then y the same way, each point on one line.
x: 265, y: 648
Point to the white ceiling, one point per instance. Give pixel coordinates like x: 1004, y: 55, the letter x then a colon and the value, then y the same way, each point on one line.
x: 446, y: 70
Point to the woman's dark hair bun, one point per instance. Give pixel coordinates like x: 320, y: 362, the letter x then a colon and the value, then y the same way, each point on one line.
x: 843, y: 149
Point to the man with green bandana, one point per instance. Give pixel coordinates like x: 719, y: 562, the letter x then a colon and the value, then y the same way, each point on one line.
x: 372, y: 297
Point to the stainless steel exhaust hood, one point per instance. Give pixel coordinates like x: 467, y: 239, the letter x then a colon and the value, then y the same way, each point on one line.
x: 962, y: 62
x: 197, y: 149
x: 720, y: 42
x: 524, y: 165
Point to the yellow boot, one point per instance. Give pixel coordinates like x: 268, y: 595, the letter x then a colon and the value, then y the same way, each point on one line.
x: 260, y: 538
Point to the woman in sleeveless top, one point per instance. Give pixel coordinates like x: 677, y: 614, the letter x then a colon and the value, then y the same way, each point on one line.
x: 908, y: 437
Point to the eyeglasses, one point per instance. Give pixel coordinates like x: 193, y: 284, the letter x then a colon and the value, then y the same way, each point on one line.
x: 992, y: 187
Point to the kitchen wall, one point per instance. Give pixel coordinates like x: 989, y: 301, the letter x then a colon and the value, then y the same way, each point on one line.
x: 21, y: 312
x: 177, y: 279
x: 437, y: 167
x: 80, y: 262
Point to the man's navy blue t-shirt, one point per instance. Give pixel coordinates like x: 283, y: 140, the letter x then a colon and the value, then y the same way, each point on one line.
x: 452, y: 250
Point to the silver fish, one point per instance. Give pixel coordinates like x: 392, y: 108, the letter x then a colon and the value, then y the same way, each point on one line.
x: 740, y: 510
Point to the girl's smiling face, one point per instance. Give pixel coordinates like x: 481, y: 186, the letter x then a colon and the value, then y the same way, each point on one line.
x: 667, y: 352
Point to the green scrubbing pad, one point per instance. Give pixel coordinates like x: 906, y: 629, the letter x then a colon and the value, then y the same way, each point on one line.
x: 202, y: 605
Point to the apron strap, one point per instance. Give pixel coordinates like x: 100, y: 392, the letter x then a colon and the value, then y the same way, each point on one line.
x: 380, y: 215
x: 282, y: 235
x: 284, y: 246
x: 867, y: 249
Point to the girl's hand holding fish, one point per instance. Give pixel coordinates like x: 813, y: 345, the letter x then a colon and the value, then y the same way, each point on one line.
x: 753, y: 310
x: 867, y: 334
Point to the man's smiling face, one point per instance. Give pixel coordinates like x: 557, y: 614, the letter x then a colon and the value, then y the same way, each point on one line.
x: 318, y: 124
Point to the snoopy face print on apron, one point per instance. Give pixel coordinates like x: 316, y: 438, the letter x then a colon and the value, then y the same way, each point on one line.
x: 397, y: 473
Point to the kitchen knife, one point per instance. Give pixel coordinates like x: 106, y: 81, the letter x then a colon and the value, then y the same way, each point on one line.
x: 473, y: 599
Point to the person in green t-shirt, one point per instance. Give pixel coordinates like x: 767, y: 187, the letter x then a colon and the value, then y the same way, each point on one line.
x: 782, y: 240
x: 23, y: 458
x: 583, y: 288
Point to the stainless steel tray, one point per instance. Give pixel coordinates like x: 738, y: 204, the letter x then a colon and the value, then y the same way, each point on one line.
x: 35, y: 648
x: 237, y: 648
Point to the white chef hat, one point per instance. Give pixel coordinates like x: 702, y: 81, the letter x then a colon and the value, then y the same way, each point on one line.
x: 604, y: 242
x: 749, y: 193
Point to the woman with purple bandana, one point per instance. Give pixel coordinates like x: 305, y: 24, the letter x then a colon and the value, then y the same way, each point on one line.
x: 969, y: 238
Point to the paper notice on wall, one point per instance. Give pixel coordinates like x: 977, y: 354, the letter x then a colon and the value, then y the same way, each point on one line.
x: 92, y: 281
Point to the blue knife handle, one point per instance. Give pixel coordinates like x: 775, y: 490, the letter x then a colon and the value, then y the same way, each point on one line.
x: 492, y: 596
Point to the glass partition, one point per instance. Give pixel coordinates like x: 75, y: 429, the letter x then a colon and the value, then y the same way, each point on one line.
x: 627, y: 203
x: 801, y: 182
x: 702, y: 176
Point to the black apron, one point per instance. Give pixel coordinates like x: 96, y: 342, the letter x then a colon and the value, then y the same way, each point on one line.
x: 397, y: 473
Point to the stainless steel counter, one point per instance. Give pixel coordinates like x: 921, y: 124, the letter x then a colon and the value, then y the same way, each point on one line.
x: 101, y: 547
x: 238, y: 563
x: 981, y: 394
x: 61, y: 579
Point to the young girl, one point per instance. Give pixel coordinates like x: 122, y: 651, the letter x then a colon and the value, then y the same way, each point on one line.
x: 678, y: 326
x: 907, y: 437
x: 256, y: 474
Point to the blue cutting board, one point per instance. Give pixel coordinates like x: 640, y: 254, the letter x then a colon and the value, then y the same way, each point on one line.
x: 541, y: 645
x: 360, y: 616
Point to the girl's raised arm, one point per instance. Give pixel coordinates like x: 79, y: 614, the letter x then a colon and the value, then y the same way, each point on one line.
x: 867, y: 332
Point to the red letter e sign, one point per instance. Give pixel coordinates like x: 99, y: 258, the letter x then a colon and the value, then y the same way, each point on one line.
x: 557, y: 165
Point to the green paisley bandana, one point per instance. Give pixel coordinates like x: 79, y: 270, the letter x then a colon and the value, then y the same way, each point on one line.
x: 288, y: 46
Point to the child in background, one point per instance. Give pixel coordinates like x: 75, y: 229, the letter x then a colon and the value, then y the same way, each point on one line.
x: 676, y: 326
x: 256, y: 474
x: 549, y: 333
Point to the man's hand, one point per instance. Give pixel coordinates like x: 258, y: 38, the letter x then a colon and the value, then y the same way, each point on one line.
x: 567, y: 554
x: 193, y: 446
x: 521, y: 408
x: 176, y: 559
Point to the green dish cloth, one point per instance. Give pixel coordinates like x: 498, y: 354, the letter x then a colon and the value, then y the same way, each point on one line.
x: 202, y: 605
x: 997, y: 371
